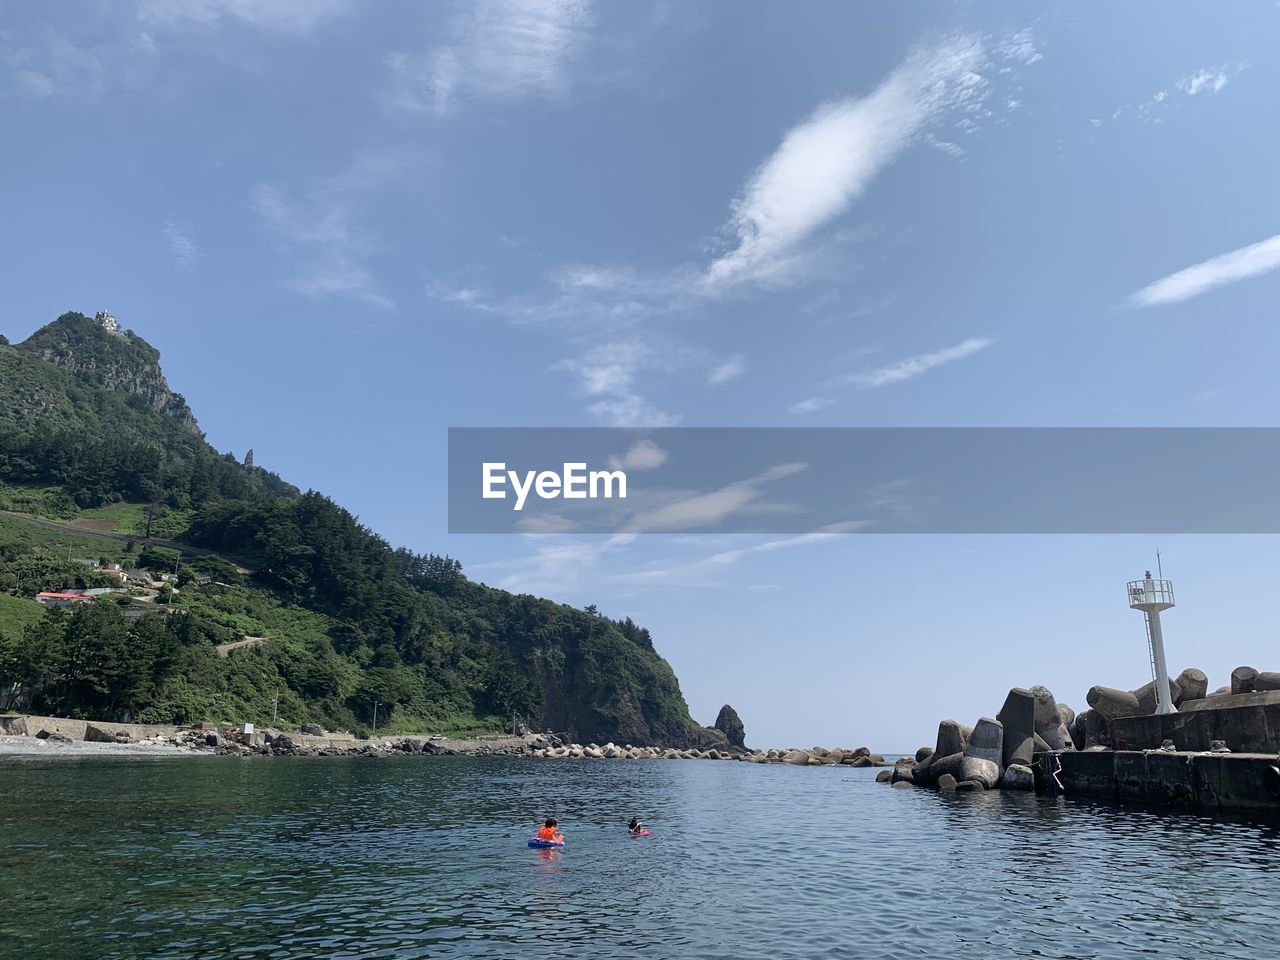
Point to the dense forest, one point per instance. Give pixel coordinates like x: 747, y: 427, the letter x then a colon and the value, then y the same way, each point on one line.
x: 351, y: 624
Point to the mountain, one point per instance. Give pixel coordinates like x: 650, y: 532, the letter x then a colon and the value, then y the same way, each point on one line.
x: 92, y: 435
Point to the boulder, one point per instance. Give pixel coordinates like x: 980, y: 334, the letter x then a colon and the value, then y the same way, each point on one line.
x: 972, y: 786
x: 1242, y: 679
x: 884, y: 776
x: 1146, y: 697
x: 862, y: 752
x: 313, y: 730
x: 1079, y: 729
x: 1266, y: 681
x: 940, y: 765
x: 903, y: 769
x: 952, y: 737
x: 799, y: 758
x: 1018, y: 777
x: 95, y: 734
x: 946, y: 782
x: 923, y: 754
x: 1111, y: 703
x: 903, y: 784
x: 976, y: 769
x: 1018, y: 719
x: 53, y: 737
x: 987, y: 741
x: 1068, y: 715
x: 1049, y: 723
x: 1194, y: 685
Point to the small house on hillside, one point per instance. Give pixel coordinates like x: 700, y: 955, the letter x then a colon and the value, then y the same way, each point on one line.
x: 58, y: 599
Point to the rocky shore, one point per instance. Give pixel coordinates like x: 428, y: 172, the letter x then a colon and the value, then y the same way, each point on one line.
x: 811, y: 757
x: 50, y: 736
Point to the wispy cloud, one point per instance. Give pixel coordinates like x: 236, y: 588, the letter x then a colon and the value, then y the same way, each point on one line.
x: 608, y: 375
x: 558, y: 566
x: 825, y: 163
x: 811, y: 405
x: 281, y: 16
x: 641, y: 455
x: 184, y: 252
x: 735, y: 366
x: 40, y: 63
x: 1205, y: 81
x: 1241, y: 264
x: 907, y: 369
x: 781, y: 228
x: 328, y: 254
x: 831, y: 532
x: 913, y: 367
x: 709, y: 509
x: 499, y: 50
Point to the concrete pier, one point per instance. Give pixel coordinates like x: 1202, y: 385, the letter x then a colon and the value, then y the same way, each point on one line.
x: 1188, y: 780
x: 1247, y: 723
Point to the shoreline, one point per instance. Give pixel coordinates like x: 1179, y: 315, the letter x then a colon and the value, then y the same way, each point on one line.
x: 33, y: 736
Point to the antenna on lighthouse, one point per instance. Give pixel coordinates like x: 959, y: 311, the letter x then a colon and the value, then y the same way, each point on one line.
x: 1152, y: 595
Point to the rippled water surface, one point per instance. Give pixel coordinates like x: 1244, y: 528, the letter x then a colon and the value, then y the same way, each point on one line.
x: 426, y: 857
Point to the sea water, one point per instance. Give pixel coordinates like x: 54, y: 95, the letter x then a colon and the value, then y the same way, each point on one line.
x: 427, y: 857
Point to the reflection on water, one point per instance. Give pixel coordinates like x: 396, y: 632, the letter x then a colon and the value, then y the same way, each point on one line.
x: 418, y: 857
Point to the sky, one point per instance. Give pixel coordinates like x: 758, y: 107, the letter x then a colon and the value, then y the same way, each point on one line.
x: 348, y: 227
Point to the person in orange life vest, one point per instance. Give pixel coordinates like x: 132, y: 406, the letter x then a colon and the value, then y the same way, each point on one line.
x: 548, y: 831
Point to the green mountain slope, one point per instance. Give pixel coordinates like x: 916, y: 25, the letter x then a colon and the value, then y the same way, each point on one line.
x: 91, y: 433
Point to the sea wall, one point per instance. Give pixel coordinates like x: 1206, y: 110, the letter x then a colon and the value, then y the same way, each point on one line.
x: 1174, y: 779
x: 1246, y: 723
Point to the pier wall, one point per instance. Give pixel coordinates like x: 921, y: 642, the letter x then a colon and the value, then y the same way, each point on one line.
x: 1247, y: 723
x: 1208, y: 781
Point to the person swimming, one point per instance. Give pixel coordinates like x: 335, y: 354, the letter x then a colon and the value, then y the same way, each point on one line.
x: 549, y: 831
x: 635, y: 826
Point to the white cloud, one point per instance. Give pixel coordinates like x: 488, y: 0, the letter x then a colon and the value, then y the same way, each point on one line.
x: 1203, y: 80
x: 558, y: 566
x: 811, y: 405
x: 831, y: 532
x: 499, y: 50
x: 328, y: 253
x: 1241, y: 264
x: 642, y: 455
x: 825, y: 163
x: 1021, y: 47
x: 734, y: 366
x: 709, y: 509
x: 913, y: 367
x: 280, y: 16
x: 607, y: 376
x: 184, y: 252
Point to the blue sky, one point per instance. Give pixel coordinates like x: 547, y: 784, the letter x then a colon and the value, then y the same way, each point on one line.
x: 349, y: 227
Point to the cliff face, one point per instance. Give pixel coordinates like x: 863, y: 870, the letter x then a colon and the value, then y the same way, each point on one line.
x: 119, y: 362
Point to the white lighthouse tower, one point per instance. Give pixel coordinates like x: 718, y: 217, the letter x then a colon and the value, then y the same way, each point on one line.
x: 1151, y: 596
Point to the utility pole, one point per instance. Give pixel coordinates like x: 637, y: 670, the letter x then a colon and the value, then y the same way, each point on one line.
x: 275, y: 704
x: 375, y: 720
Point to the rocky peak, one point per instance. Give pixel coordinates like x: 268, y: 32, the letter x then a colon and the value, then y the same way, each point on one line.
x: 730, y: 724
x: 111, y: 360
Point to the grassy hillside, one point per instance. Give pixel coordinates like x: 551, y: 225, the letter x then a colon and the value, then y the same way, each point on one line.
x: 349, y: 621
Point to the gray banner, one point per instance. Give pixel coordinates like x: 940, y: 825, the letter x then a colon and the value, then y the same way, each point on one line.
x: 868, y: 480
